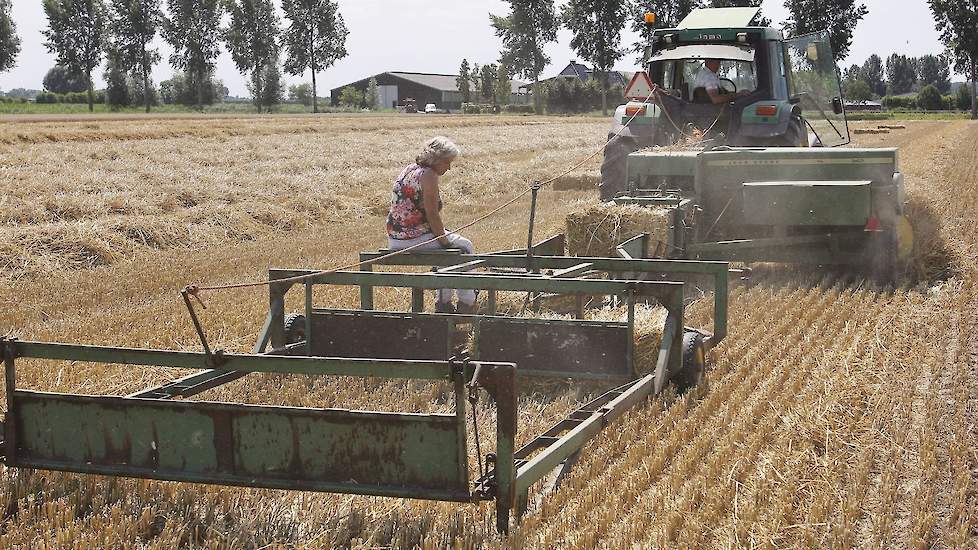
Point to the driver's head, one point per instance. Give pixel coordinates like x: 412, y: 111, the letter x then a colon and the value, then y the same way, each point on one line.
x: 713, y: 65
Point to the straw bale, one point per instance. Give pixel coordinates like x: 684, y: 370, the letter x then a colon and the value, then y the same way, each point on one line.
x: 578, y: 182
x: 598, y: 229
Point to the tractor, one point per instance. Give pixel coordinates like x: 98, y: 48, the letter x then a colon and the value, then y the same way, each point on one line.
x: 757, y: 178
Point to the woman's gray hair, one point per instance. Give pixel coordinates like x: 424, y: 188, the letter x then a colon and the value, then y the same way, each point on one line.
x: 438, y: 149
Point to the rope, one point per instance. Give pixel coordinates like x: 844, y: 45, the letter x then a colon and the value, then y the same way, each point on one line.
x: 195, y: 290
x: 656, y: 91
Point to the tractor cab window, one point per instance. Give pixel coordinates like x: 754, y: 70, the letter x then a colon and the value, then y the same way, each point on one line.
x: 735, y: 75
x: 814, y: 85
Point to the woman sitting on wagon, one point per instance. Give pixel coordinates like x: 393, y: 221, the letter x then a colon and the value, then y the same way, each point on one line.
x: 415, y: 215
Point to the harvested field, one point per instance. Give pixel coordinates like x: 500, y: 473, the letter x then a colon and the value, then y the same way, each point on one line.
x: 834, y: 415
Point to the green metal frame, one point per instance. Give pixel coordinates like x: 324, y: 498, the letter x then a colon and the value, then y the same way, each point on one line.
x: 148, y: 434
x: 357, y: 452
x: 638, y: 269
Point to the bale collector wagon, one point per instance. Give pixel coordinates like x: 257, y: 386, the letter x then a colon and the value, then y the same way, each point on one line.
x: 165, y: 432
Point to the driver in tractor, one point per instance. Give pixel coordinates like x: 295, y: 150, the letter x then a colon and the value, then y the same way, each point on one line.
x: 707, y: 82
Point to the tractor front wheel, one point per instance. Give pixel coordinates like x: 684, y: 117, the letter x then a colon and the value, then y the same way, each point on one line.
x: 613, y: 168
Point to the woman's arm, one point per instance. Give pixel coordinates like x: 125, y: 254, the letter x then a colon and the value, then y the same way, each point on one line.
x: 429, y: 189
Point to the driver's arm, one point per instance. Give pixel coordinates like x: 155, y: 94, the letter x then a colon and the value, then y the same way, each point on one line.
x: 717, y: 98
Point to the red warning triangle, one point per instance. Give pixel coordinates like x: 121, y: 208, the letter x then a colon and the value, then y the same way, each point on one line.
x: 640, y: 87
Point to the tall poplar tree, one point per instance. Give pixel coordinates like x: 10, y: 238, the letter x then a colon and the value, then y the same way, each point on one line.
x: 957, y: 20
x: 596, y: 26
x: 462, y: 82
x: 504, y: 85
x: 839, y: 17
x: 252, y: 39
x: 76, y: 30
x: 193, y: 29
x: 314, y: 39
x: 133, y: 25
x: 529, y: 27
x: 9, y: 41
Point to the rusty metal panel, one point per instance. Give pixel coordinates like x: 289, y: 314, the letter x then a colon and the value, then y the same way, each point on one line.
x: 379, y: 335
x: 581, y: 349
x: 375, y: 453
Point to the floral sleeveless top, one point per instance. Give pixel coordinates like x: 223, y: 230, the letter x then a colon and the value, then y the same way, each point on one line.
x: 407, y: 219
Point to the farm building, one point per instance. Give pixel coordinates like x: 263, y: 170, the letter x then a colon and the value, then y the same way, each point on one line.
x: 424, y: 88
x: 584, y: 74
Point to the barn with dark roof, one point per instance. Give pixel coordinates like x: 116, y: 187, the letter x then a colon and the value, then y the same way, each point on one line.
x: 395, y: 87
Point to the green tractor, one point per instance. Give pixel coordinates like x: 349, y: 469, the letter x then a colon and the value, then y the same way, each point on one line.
x: 759, y: 179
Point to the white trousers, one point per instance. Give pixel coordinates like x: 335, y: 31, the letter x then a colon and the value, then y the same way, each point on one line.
x: 444, y: 295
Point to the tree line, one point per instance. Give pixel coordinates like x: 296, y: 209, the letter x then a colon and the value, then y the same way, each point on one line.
x: 81, y: 33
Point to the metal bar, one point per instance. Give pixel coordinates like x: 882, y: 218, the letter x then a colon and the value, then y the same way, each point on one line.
x: 534, y: 189
x: 519, y: 283
x: 189, y: 385
x: 505, y: 396
x: 573, y: 271
x: 465, y: 318
x: 335, y: 366
x: 10, y: 419
x: 366, y: 290
x: 651, y: 265
x: 460, y: 408
x: 209, y: 379
x: 551, y: 246
x: 252, y: 482
x: 491, y: 301
x: 630, y: 350
x: 417, y: 300
x: 721, y: 297
x: 263, y: 335
x: 193, y: 317
x: 662, y: 364
x: 276, y: 309
x: 309, y: 286
x: 461, y: 268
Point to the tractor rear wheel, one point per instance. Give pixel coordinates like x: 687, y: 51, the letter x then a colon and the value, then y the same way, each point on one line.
x: 613, y: 168
x: 295, y: 328
x: 694, y: 362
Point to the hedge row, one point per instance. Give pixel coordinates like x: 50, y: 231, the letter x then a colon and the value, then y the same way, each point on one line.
x: 5, y: 99
x: 73, y: 97
x: 488, y: 109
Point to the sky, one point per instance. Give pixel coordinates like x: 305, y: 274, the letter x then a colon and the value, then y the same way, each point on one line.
x: 435, y: 35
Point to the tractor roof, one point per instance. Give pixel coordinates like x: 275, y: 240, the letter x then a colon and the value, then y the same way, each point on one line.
x: 716, y: 18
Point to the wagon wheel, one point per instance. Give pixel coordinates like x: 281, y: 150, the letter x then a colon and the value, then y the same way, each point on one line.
x: 295, y: 328
x: 694, y: 362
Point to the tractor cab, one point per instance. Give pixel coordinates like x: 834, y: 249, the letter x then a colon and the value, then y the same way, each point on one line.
x: 772, y: 92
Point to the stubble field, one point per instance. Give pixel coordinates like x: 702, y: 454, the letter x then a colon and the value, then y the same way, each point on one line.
x: 834, y: 415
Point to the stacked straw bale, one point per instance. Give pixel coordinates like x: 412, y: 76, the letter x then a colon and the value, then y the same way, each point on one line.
x: 598, y: 229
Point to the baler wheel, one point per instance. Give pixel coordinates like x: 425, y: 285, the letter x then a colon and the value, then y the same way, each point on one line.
x: 295, y: 328
x: 694, y: 362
